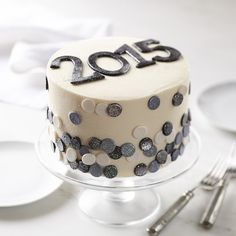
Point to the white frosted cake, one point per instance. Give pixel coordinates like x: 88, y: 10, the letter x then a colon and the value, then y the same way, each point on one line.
x: 118, y: 107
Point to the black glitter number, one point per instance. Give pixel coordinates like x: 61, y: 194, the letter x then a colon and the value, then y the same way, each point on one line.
x: 77, y: 77
x: 144, y: 46
x: 126, y: 49
x: 125, y: 66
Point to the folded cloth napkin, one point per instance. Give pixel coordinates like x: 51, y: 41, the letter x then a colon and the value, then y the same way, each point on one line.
x: 32, y: 43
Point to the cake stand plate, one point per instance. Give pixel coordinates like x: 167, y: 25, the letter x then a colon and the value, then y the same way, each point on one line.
x: 119, y: 201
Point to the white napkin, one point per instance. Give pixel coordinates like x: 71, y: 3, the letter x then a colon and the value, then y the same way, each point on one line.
x: 32, y: 43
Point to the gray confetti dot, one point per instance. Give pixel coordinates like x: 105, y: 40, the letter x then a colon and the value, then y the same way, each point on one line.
x: 145, y: 144
x: 127, y: 149
x: 50, y: 116
x: 66, y: 138
x: 116, y: 154
x: 74, y: 118
x: 181, y: 149
x: 83, y: 150
x: 189, y: 88
x: 95, y: 170
x: 110, y: 171
x: 83, y: 167
x: 185, y: 130
x: 167, y: 128
x: 151, y: 152
x: 74, y: 165
x: 175, y: 154
x: 94, y: 143
x: 170, y: 147
x: 153, y: 166
x: 114, y: 109
x: 184, y: 119
x: 53, y: 146
x: 60, y: 144
x: 161, y: 157
x: 47, y: 112
x: 76, y: 143
x: 177, y: 99
x: 178, y: 138
x: 140, y: 169
x: 153, y: 102
x: 108, y: 145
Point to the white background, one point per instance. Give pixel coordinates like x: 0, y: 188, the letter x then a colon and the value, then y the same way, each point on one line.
x: 205, y: 32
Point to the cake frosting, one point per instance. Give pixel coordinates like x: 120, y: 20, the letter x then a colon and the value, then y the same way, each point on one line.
x: 118, y: 107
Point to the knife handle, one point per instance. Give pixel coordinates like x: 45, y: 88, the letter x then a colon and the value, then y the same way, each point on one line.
x: 210, y: 214
x: 174, y: 210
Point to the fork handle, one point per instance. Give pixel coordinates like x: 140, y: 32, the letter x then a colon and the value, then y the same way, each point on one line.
x: 174, y: 210
x: 210, y: 214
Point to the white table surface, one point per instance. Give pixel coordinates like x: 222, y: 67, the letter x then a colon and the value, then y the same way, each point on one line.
x: 205, y: 32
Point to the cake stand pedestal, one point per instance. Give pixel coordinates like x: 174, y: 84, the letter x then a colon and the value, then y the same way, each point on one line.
x: 119, y: 201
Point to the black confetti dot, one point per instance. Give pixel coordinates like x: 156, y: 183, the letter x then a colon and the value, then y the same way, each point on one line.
x: 108, y: 145
x: 74, y: 118
x: 177, y: 99
x: 116, y: 154
x: 75, y: 143
x: 94, y: 143
x: 161, y: 157
x: 95, y: 170
x: 140, y: 169
x: 114, y: 109
x: 60, y: 144
x: 74, y: 165
x: 167, y: 128
x: 189, y: 116
x: 46, y: 81
x: 170, y: 147
x: 66, y: 138
x: 184, y: 119
x: 53, y: 146
x: 83, y: 167
x: 151, y: 152
x: 175, y: 154
x: 181, y: 149
x: 110, y: 171
x: 186, y: 130
x: 153, y: 102
x: 153, y: 166
x: 47, y: 113
x: 178, y: 138
x: 145, y: 144
x: 127, y: 149
x: 83, y: 150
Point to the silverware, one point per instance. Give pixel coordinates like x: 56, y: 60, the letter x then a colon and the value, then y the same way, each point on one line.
x: 210, y: 214
x: 209, y: 181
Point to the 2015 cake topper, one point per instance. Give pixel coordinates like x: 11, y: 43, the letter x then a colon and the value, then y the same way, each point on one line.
x: 99, y: 72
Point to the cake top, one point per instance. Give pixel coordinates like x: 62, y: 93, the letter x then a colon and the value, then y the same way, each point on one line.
x: 117, y: 68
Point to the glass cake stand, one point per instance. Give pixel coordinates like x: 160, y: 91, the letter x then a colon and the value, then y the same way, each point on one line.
x: 119, y: 201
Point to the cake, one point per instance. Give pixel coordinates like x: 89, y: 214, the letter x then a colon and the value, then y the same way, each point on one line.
x: 118, y: 106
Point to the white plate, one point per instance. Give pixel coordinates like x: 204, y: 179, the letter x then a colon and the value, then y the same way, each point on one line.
x: 22, y: 178
x: 218, y: 103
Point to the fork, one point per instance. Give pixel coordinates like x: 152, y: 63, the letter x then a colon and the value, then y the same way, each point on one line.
x: 209, y: 181
x: 210, y: 214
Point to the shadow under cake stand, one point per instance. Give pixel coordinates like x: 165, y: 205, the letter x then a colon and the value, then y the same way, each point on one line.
x: 119, y: 201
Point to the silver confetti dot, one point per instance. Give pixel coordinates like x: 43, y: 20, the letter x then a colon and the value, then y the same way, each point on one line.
x: 114, y: 109
x: 151, y: 152
x: 161, y: 157
x: 127, y: 149
x: 108, y: 145
x: 95, y: 170
x: 154, y: 103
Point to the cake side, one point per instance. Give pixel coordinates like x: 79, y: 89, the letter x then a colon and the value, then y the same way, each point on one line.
x: 122, y: 125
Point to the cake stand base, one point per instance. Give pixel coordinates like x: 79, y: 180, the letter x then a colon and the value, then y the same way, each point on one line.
x: 119, y: 208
